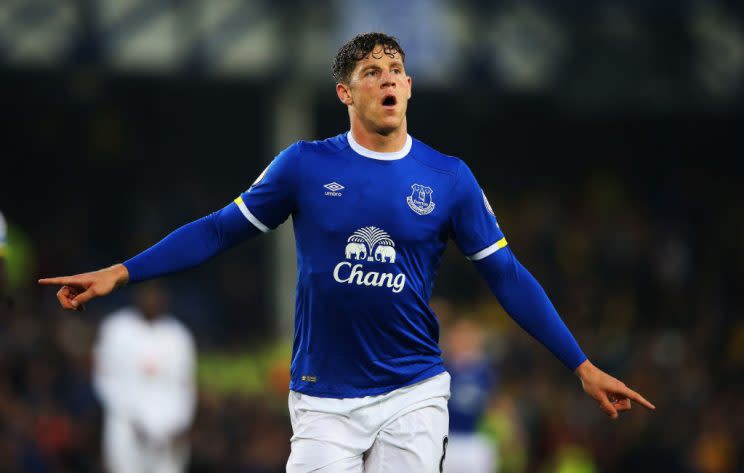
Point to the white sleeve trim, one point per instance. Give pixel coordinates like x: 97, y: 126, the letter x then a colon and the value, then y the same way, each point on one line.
x: 251, y: 218
x: 488, y: 250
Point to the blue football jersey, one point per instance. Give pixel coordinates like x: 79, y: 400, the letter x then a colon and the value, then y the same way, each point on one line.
x: 370, y: 229
x: 471, y: 386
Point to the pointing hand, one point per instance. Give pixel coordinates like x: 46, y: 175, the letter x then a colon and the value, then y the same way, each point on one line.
x: 78, y: 289
x: 612, y: 395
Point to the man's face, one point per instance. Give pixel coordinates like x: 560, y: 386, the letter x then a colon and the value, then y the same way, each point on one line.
x: 378, y: 91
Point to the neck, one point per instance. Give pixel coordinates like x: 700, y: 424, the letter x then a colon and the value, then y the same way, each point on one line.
x: 372, y: 140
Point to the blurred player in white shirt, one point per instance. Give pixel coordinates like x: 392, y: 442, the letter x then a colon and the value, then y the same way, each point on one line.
x: 144, y: 375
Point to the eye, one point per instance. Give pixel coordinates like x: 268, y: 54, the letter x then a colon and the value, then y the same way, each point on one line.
x: 370, y: 73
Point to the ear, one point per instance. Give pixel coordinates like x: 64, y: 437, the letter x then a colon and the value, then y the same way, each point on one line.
x: 344, y: 93
x: 410, y: 86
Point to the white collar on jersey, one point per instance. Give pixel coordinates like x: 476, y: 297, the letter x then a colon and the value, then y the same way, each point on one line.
x: 368, y: 153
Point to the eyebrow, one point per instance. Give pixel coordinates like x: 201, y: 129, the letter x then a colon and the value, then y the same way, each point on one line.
x: 375, y: 66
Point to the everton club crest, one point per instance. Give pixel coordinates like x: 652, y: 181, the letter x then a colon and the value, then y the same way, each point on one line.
x: 420, y: 199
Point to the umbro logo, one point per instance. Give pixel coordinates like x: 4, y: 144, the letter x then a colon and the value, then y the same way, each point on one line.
x: 334, y: 186
x: 333, y: 189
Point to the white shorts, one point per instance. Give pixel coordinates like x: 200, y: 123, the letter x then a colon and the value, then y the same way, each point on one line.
x: 124, y: 452
x: 471, y: 453
x: 404, y: 430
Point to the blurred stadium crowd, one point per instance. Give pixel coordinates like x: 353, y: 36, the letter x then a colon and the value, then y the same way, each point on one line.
x: 605, y: 135
x: 656, y: 54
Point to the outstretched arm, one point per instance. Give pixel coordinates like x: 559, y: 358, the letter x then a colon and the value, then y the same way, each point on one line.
x: 526, y: 302
x: 265, y: 205
x: 186, y: 247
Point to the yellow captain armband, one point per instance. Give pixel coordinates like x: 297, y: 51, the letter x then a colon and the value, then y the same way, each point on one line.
x: 489, y: 250
x: 247, y: 214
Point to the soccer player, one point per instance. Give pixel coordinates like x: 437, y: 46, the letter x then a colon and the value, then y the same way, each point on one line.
x: 144, y: 375
x: 3, y: 255
x: 372, y: 210
x: 473, y: 379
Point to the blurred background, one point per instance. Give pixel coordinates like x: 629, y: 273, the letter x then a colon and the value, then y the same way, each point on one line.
x: 607, y: 135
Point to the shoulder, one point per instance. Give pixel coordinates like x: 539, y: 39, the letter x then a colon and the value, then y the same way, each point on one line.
x: 176, y: 327
x: 436, y: 160
x: 303, y: 151
x: 122, y: 319
x: 330, y: 145
x: 123, y: 315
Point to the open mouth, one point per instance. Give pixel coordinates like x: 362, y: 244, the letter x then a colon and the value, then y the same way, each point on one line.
x: 389, y: 101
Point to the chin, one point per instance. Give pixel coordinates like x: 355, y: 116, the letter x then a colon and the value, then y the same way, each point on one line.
x: 388, y: 125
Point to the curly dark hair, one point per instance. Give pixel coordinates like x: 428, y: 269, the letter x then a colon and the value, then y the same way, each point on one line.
x: 359, y: 48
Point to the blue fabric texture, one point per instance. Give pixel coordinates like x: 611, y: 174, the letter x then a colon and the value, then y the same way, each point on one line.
x: 526, y: 302
x: 192, y: 244
x: 370, y: 230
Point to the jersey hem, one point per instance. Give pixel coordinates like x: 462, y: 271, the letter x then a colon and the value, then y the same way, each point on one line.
x: 356, y: 393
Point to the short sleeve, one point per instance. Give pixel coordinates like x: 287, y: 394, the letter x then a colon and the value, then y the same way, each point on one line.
x: 271, y: 198
x: 473, y: 223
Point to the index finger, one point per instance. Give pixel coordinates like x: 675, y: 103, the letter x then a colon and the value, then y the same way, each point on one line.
x: 637, y: 398
x: 62, y: 280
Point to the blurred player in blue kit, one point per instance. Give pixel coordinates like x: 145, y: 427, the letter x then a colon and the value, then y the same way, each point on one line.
x: 372, y: 211
x: 473, y: 379
x: 3, y: 255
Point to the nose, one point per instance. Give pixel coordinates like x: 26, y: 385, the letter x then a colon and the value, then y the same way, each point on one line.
x: 387, y: 79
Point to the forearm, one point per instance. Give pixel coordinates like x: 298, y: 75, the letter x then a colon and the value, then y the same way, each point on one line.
x: 191, y: 244
x: 526, y: 302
